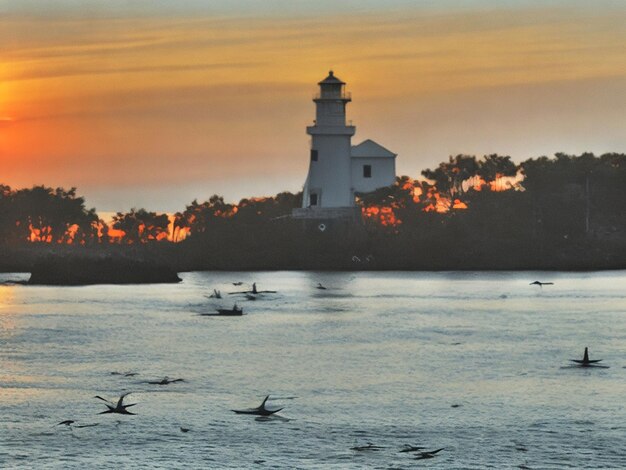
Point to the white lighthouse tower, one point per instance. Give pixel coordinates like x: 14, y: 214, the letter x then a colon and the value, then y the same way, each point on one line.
x: 337, y: 170
x: 328, y: 183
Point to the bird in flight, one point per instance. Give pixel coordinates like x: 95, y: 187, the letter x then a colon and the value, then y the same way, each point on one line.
x: 260, y: 410
x: 165, y: 381
x: 429, y: 454
x: 117, y: 408
x: 541, y: 284
x: 585, y: 361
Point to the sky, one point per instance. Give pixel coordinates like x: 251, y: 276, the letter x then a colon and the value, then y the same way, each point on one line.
x: 156, y: 103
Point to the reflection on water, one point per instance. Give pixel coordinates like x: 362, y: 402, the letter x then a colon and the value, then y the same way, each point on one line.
x: 473, y: 362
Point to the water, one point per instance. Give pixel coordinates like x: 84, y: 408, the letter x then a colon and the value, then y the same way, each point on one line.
x: 378, y: 357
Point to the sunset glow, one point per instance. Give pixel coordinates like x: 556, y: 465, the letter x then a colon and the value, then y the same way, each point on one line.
x: 154, y: 108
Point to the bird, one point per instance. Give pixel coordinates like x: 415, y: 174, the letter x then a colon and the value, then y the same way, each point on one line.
x: 215, y: 295
x: 428, y: 454
x: 585, y: 361
x: 410, y: 448
x: 125, y: 374
x: 119, y: 407
x: 67, y: 422
x: 320, y: 286
x: 541, y: 284
x: 70, y: 422
x: 184, y: 429
x: 237, y: 283
x: 369, y: 446
x: 260, y: 410
x: 165, y: 381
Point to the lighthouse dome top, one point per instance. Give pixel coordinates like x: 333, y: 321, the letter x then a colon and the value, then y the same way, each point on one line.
x: 331, y: 80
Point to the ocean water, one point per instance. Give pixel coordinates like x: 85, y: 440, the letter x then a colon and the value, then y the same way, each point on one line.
x: 476, y: 363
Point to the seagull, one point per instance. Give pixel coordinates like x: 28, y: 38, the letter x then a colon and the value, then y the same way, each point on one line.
x: 320, y: 286
x: 125, y: 374
x: 429, y: 454
x: 260, y: 410
x: 67, y: 422
x: 369, y: 446
x: 165, y: 381
x: 119, y: 408
x: 541, y: 284
x: 215, y: 295
x: 585, y: 362
x: 410, y: 448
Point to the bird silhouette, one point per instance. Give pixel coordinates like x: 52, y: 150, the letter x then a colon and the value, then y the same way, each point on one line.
x: 369, y: 446
x: 165, y: 381
x: 585, y: 361
x: 541, y: 284
x: 410, y: 448
x: 260, y: 410
x: 119, y: 408
x: 67, y: 422
x: 429, y: 454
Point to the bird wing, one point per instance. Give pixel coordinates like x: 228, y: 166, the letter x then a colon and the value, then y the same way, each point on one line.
x: 121, y: 400
x: 103, y: 399
x: 264, y: 401
x: 433, y: 452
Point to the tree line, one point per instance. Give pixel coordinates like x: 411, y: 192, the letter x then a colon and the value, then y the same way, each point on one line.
x: 472, y: 210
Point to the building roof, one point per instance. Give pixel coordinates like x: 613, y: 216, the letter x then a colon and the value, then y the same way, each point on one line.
x: 331, y: 79
x: 370, y: 149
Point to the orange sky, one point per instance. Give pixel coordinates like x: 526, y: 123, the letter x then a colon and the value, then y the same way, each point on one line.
x: 151, y: 107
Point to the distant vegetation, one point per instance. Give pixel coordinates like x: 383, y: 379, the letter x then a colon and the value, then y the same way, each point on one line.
x: 489, y: 213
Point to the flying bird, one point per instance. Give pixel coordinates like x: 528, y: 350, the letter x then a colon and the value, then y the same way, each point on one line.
x: 70, y: 422
x: 125, y: 374
x: 117, y: 408
x: 260, y: 410
x: 429, y: 454
x: 585, y: 361
x: 541, y: 284
x: 67, y: 422
x: 165, y: 381
x: 320, y: 286
x: 369, y: 446
x: 410, y: 448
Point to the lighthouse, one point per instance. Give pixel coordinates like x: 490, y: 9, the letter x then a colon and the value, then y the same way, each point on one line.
x: 328, y: 183
x: 338, y: 170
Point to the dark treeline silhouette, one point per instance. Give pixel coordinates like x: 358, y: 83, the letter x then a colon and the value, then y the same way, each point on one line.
x: 467, y: 213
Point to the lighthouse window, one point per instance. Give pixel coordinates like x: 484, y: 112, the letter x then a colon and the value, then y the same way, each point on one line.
x: 313, y: 200
x: 313, y: 155
x: 367, y: 171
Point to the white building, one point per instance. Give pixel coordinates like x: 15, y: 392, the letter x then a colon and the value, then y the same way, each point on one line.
x: 338, y: 170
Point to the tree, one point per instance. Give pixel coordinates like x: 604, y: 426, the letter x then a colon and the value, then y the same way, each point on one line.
x: 141, y: 226
x: 493, y: 167
x: 449, y: 176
